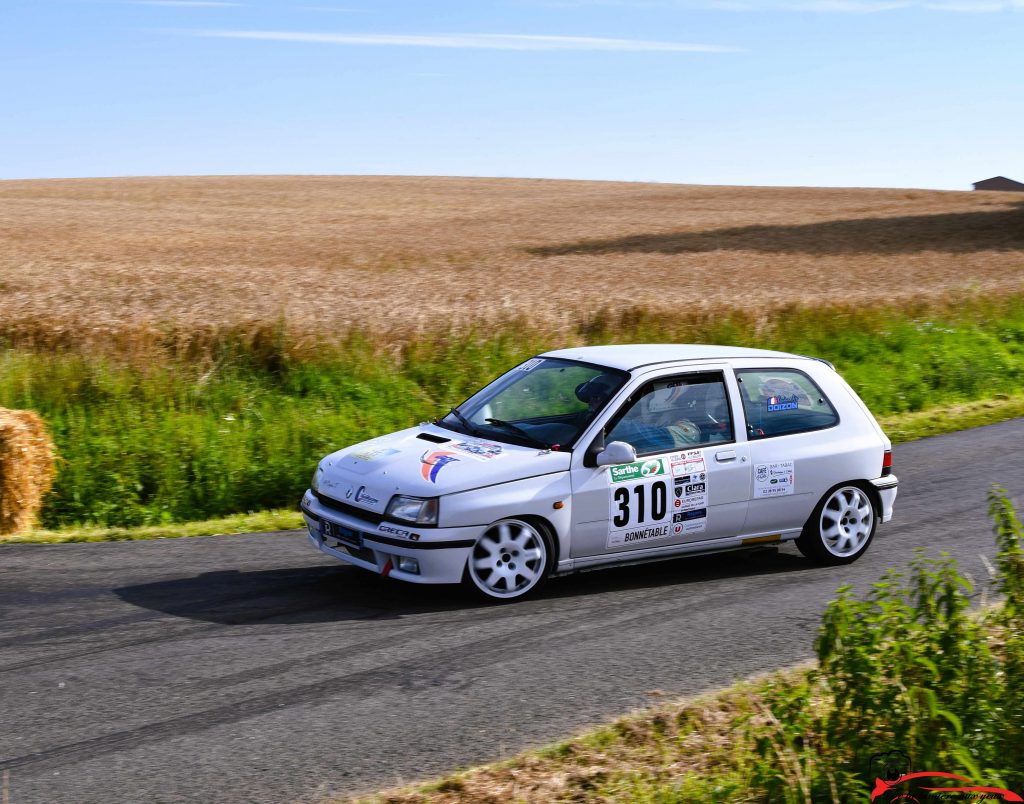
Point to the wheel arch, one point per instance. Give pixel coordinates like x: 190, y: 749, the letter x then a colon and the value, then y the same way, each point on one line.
x: 549, y: 530
x: 863, y: 485
x: 546, y: 534
x: 810, y: 542
x: 873, y: 494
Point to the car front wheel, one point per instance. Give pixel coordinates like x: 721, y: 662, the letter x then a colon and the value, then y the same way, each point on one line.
x: 840, y: 528
x: 510, y: 560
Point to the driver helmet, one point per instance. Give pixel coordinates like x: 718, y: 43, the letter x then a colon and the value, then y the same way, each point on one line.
x: 595, y: 391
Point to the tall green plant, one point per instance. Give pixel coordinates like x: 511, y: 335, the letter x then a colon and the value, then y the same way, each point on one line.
x: 1009, y: 622
x: 909, y: 667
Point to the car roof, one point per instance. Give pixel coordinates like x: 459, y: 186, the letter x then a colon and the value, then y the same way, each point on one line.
x: 634, y: 355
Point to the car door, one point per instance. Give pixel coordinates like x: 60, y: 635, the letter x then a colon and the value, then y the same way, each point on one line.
x: 690, y: 481
x: 793, y: 447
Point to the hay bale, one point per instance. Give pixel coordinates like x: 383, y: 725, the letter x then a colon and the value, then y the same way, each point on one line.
x: 26, y: 468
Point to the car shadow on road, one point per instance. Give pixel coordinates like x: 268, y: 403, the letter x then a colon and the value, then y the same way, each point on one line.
x: 317, y: 594
x: 311, y: 594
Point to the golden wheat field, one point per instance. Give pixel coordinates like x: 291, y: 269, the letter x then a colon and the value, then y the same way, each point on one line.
x: 93, y: 258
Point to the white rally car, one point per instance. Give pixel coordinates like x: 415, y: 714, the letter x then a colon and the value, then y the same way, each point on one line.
x: 603, y: 455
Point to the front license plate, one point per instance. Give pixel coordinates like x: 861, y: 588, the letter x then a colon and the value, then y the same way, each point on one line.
x: 332, y: 530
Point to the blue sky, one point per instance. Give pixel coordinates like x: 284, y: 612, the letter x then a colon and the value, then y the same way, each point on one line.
x: 888, y: 93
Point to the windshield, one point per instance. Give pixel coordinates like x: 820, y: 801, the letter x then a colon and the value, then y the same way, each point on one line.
x: 543, y: 402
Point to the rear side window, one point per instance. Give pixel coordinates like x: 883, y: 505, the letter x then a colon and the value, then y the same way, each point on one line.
x: 783, y: 401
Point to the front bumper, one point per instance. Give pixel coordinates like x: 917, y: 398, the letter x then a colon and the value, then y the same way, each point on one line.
x: 442, y: 553
x: 886, y: 488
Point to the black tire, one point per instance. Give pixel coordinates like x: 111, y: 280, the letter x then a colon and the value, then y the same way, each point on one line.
x: 511, y: 560
x: 841, y: 526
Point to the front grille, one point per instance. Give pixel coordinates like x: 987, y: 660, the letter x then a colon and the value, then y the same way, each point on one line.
x: 351, y: 510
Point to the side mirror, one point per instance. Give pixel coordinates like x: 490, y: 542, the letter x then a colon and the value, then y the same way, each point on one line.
x: 615, y: 453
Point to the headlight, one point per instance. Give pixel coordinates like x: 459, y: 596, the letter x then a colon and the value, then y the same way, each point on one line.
x: 413, y: 509
x: 314, y: 484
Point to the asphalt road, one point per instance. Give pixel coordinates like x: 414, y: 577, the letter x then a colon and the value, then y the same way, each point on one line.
x: 251, y: 669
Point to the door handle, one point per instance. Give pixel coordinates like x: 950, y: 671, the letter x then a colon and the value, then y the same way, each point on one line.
x: 725, y: 455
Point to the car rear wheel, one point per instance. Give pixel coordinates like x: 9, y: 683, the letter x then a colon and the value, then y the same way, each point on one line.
x: 840, y: 528
x: 510, y: 560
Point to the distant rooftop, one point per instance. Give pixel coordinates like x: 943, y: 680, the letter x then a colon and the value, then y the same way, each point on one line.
x: 999, y: 183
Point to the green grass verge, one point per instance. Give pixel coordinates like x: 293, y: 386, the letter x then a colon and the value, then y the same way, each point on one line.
x: 155, y: 439
x: 900, y: 427
x: 258, y: 522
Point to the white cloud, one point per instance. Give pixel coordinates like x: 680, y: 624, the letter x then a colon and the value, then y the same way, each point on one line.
x: 845, y: 6
x: 182, y: 3
x: 477, y: 41
x: 976, y: 6
x: 814, y: 6
x: 730, y: 5
x: 860, y: 6
x: 872, y: 6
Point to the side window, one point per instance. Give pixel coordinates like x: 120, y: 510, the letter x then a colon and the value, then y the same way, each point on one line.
x: 675, y: 413
x: 783, y: 401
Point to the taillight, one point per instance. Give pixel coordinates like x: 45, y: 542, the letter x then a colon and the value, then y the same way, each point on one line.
x: 887, y: 463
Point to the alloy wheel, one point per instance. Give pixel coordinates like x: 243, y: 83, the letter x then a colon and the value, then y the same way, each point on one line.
x: 509, y: 559
x: 847, y: 522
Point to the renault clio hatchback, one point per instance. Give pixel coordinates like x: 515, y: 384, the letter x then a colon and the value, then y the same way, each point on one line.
x: 603, y: 455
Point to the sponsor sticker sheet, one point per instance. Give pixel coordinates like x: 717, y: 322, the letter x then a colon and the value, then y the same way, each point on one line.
x: 690, y: 493
x: 481, y: 450
x: 774, y: 479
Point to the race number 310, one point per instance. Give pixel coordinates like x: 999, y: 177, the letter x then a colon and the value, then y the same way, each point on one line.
x: 641, y: 503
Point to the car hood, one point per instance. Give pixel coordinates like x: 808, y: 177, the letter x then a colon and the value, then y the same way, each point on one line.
x: 428, y: 461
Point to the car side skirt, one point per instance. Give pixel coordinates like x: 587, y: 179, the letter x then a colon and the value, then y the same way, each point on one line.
x: 676, y: 551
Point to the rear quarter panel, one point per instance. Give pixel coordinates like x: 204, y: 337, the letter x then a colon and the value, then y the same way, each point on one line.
x: 851, y: 450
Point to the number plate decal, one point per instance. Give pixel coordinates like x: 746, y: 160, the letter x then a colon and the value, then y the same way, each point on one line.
x: 346, y: 536
x: 657, y: 499
x: 639, y: 509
